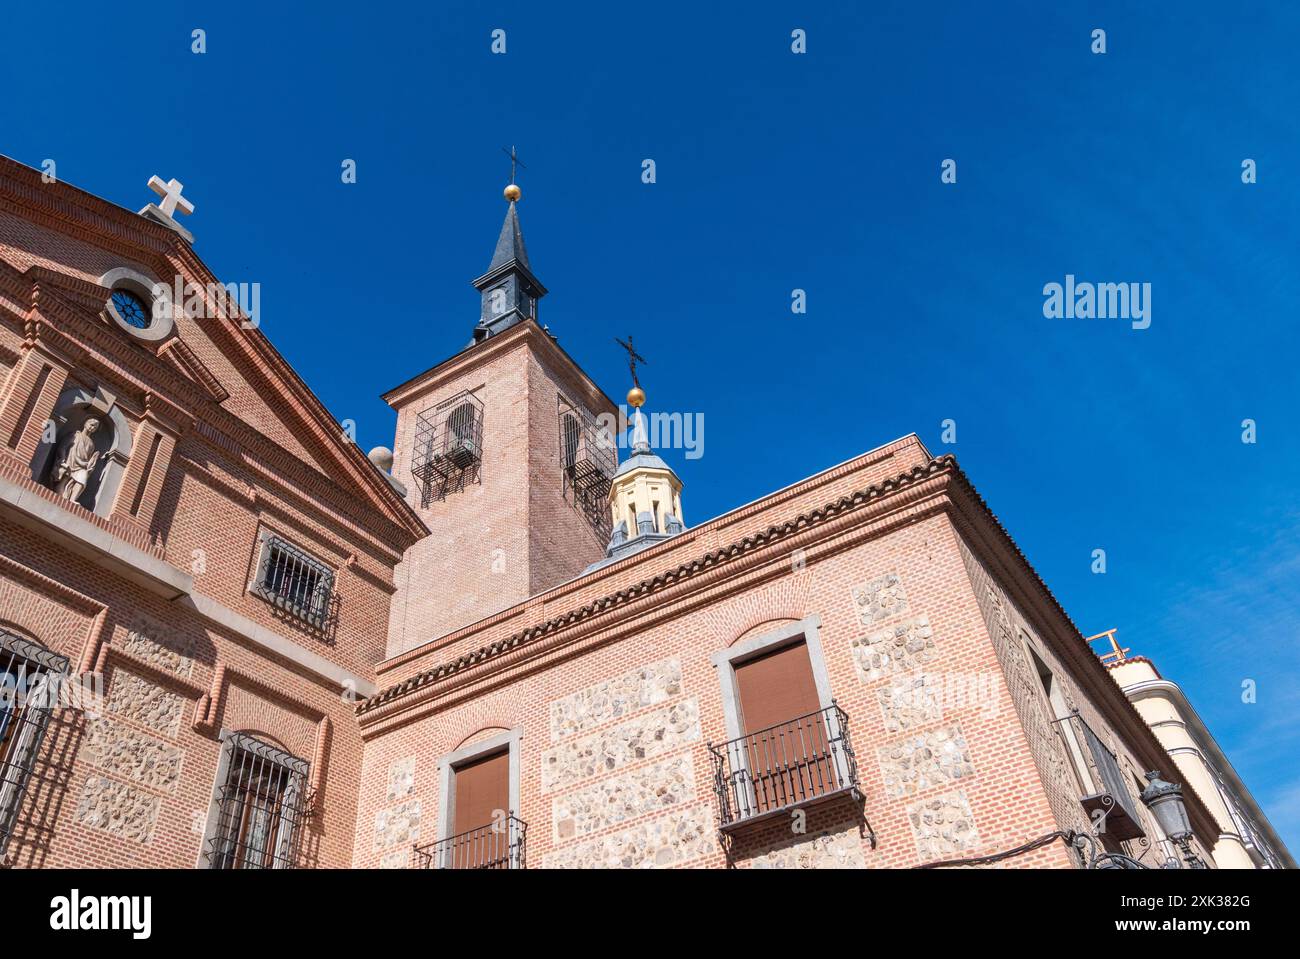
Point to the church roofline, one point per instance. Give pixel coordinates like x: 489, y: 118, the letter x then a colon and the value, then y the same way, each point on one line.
x: 973, y: 521
x: 526, y: 327
x: 60, y: 190
x: 743, y: 545
x: 139, y: 240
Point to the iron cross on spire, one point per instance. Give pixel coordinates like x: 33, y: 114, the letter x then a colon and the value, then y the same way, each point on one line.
x: 514, y: 159
x: 633, y: 357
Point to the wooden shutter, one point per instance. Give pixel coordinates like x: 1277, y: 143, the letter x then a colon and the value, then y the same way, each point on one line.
x: 481, y: 802
x: 786, y: 747
x: 776, y: 687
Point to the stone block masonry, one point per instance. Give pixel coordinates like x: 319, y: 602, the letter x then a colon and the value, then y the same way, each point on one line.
x: 897, y: 649
x: 880, y: 599
x: 617, y: 799
x: 840, y: 848
x: 399, y: 825
x: 943, y: 826
x: 135, y: 698
x: 669, y: 840
x: 644, y: 737
x: 923, y: 761
x: 129, y: 754
x: 610, y: 700
x: 118, y: 809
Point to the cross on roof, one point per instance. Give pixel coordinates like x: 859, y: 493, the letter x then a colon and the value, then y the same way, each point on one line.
x: 514, y: 159
x: 170, y: 195
x: 633, y: 357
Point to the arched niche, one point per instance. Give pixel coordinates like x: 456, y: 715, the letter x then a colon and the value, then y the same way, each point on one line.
x: 112, y: 441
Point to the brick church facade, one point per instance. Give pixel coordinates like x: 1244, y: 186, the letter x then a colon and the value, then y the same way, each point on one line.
x: 238, y: 642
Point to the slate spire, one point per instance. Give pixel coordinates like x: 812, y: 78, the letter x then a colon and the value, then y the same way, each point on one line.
x: 509, y: 290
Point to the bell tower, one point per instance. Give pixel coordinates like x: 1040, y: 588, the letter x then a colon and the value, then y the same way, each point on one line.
x: 484, y: 445
x: 508, y: 289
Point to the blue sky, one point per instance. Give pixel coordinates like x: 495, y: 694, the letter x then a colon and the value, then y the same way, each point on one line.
x: 776, y: 172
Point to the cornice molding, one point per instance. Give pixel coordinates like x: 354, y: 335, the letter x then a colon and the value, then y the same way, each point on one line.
x: 714, y: 559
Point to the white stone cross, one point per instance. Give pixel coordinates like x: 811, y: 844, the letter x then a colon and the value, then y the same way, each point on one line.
x: 170, y: 193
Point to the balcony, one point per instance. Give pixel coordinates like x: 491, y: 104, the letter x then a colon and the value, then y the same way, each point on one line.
x: 498, y: 845
x: 798, y: 763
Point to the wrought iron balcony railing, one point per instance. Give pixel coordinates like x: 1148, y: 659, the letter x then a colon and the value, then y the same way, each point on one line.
x: 800, y: 762
x: 498, y: 845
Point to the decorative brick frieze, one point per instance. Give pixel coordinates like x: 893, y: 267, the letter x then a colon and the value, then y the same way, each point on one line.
x: 943, y: 826
x: 925, y: 760
x: 880, y: 599
x: 135, y: 698
x: 615, y: 698
x: 398, y: 825
x: 176, y: 661
x: 910, y: 701
x: 900, y: 648
x: 611, y: 801
x: 130, y: 754
x: 841, y: 849
x: 118, y: 809
x: 666, y: 841
x: 401, y: 778
x: 643, y: 737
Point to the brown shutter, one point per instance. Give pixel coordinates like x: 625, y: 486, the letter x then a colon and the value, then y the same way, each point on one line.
x: 776, y: 687
x: 481, y: 801
x: 785, y: 740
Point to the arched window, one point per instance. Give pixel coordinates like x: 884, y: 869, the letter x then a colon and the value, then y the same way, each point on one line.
x: 572, y: 434
x: 259, y: 806
x: 462, y: 434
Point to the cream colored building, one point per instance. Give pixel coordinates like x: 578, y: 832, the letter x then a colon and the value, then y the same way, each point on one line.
x: 1246, y: 838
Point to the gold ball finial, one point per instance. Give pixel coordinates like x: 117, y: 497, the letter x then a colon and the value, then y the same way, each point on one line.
x: 635, y: 396
x: 513, y: 193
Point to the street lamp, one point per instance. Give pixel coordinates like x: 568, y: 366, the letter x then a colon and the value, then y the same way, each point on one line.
x: 1165, y: 800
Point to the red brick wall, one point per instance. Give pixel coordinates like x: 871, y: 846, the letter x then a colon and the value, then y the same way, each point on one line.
x: 1002, y: 788
x: 127, y: 779
x: 499, y: 541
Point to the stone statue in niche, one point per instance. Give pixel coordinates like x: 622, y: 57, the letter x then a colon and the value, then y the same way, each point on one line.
x: 74, y: 461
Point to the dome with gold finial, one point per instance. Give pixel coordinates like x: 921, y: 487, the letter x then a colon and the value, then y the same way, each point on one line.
x: 645, y: 494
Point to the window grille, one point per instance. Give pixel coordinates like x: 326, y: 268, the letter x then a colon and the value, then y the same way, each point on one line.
x: 30, y: 676
x: 587, y: 464
x: 295, y: 582
x: 448, y: 446
x: 261, y: 807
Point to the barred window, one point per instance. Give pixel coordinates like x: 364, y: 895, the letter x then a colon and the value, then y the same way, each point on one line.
x: 294, y: 581
x: 260, y: 806
x: 29, y: 688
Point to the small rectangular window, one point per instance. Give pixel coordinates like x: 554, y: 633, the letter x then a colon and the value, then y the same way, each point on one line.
x: 261, y: 806
x: 294, y: 581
